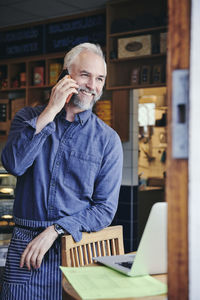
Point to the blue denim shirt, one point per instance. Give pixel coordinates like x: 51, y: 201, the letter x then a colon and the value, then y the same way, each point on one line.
x: 69, y: 174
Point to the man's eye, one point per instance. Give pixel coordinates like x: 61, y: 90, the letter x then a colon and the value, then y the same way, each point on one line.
x: 84, y: 74
x: 100, y: 79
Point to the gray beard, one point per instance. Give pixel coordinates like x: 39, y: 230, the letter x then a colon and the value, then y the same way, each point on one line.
x: 75, y: 101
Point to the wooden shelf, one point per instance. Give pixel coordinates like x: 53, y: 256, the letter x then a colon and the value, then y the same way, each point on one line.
x: 12, y: 89
x: 139, y: 31
x: 40, y: 86
x: 4, y: 90
x: 148, y: 57
x: 138, y: 86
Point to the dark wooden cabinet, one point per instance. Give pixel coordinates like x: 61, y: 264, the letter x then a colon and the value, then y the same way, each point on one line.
x: 120, y: 110
x: 136, y: 42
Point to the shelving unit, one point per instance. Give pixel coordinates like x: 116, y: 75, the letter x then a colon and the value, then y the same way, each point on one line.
x: 123, y: 17
x: 13, y: 67
x: 13, y: 89
x: 128, y: 19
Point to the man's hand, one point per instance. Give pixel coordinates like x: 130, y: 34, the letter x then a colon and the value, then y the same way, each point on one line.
x: 36, y: 249
x: 59, y: 94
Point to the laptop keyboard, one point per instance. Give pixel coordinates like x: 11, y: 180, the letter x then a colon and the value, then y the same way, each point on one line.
x: 126, y: 264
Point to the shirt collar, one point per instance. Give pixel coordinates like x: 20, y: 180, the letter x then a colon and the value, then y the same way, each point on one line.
x: 81, y: 117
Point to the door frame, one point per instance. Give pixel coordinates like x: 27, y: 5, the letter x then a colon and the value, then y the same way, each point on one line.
x: 194, y: 155
x: 177, y: 169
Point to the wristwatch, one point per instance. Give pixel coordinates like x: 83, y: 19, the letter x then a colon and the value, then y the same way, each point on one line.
x: 59, y: 229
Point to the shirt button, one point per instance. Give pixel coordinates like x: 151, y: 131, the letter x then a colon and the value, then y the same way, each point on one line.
x: 57, y: 163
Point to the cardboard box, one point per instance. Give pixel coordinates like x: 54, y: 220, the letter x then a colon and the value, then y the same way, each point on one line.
x: 134, y: 46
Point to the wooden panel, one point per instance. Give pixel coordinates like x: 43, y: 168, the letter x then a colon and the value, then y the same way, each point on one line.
x: 120, y: 108
x: 177, y: 169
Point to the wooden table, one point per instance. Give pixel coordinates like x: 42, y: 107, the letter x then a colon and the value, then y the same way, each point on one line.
x: 70, y: 294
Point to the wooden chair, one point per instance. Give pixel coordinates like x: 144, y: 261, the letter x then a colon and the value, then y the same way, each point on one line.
x: 108, y: 241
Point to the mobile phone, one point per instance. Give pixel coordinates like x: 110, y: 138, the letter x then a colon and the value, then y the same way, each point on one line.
x: 63, y: 74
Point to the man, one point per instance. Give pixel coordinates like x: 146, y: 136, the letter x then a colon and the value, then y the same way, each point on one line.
x: 68, y: 165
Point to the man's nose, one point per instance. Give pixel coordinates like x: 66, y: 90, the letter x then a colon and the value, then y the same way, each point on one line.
x: 91, y: 83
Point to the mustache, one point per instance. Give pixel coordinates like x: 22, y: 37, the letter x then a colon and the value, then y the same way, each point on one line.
x: 84, y: 89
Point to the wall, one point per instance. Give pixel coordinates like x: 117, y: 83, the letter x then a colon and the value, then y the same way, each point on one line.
x: 130, y: 148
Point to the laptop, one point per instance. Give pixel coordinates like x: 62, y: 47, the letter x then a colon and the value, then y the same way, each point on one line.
x: 151, y: 256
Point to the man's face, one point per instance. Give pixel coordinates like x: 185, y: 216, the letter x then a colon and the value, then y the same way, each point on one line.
x: 89, y: 72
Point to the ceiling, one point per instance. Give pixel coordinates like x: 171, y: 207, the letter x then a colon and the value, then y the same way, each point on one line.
x: 17, y: 12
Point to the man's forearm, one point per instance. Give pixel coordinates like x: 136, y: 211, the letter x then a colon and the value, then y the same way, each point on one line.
x: 36, y: 249
x: 44, y: 118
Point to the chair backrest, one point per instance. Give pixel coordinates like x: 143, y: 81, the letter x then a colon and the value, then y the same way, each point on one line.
x: 108, y: 241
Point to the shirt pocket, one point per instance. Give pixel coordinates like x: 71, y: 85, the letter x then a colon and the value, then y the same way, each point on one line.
x: 81, y: 172
x: 13, y: 273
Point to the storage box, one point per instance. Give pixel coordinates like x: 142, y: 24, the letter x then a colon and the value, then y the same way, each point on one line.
x: 134, y: 46
x: 54, y: 71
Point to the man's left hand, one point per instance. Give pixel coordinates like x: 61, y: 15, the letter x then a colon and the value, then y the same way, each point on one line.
x: 36, y: 249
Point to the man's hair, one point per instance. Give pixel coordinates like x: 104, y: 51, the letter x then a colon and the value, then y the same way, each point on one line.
x: 74, y: 52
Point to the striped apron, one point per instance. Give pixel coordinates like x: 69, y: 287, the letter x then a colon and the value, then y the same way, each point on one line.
x: 40, y: 284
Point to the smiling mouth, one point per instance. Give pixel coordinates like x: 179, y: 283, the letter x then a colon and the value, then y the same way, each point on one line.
x: 86, y: 92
